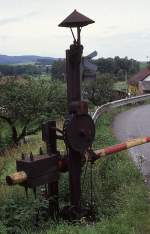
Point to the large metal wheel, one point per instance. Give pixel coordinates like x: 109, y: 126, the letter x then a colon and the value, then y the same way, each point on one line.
x: 79, y: 132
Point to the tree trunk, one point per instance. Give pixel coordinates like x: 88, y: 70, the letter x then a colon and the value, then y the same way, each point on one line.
x: 15, y: 137
x: 14, y: 134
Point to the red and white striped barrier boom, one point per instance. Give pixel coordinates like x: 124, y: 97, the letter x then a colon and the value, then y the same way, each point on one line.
x: 119, y: 147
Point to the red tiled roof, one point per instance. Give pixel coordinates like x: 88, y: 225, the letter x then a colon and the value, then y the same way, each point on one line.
x: 140, y: 76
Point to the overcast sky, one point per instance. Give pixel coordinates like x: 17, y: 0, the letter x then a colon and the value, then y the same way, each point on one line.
x: 122, y: 27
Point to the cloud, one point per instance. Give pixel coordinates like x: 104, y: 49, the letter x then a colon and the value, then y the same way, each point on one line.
x: 124, y: 36
x: 112, y: 27
x: 17, y: 19
x: 4, y: 37
x: 110, y: 30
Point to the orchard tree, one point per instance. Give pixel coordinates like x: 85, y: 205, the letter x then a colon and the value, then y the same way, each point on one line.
x: 117, y: 66
x: 57, y: 99
x: 11, y: 70
x: 58, y: 69
x: 99, y: 91
x: 25, y: 105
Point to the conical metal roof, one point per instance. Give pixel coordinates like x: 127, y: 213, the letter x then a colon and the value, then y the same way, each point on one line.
x: 76, y: 19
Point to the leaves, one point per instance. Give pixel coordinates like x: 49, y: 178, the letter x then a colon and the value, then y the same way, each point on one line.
x: 99, y: 91
x: 24, y: 105
x: 58, y: 70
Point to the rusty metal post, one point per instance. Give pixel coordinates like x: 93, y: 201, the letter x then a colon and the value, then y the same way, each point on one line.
x: 74, y: 177
x: 73, y: 60
x: 49, y: 136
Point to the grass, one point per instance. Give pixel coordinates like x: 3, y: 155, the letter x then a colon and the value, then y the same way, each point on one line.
x: 120, y: 195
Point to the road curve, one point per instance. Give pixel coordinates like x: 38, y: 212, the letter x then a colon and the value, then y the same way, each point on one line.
x: 132, y: 124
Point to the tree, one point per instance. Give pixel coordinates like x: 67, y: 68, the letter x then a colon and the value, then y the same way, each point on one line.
x: 58, y: 70
x: 105, y: 65
x: 99, y: 91
x: 57, y: 99
x: 11, y: 70
x: 117, y: 66
x: 25, y: 105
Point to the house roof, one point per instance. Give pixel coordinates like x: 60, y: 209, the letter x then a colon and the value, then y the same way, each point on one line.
x: 140, y: 76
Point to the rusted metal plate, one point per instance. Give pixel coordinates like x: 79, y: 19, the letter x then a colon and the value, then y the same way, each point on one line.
x: 76, y: 19
x: 38, y: 166
x: 49, y: 136
x: 41, y: 170
x: 87, y: 64
x: 48, y: 177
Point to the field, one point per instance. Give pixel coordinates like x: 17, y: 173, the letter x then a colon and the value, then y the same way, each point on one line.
x: 120, y: 195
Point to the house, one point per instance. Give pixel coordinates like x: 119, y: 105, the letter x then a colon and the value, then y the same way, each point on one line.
x: 140, y: 82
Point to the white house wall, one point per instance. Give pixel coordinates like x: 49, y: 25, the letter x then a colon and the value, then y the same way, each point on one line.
x: 147, y: 78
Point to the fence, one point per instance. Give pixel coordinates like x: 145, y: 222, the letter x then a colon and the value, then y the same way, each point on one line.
x: 110, y: 105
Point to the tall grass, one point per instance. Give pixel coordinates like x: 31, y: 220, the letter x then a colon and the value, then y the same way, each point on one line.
x: 120, y: 195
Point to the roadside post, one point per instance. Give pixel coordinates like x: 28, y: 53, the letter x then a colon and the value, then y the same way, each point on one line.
x: 79, y: 128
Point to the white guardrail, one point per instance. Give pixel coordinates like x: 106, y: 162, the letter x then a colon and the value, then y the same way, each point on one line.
x: 122, y: 102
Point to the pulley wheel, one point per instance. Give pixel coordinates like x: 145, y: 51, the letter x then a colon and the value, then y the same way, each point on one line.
x: 79, y: 132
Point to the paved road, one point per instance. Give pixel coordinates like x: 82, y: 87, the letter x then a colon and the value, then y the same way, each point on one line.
x: 131, y: 124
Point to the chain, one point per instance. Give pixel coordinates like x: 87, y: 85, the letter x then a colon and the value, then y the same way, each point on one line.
x: 66, y: 123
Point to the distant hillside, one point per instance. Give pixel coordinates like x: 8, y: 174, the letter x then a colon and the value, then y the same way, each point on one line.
x: 24, y: 59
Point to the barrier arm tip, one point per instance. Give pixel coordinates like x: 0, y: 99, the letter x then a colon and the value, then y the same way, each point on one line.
x: 116, y: 148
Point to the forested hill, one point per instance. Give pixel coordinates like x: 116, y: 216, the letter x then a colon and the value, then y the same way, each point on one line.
x: 5, y: 59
